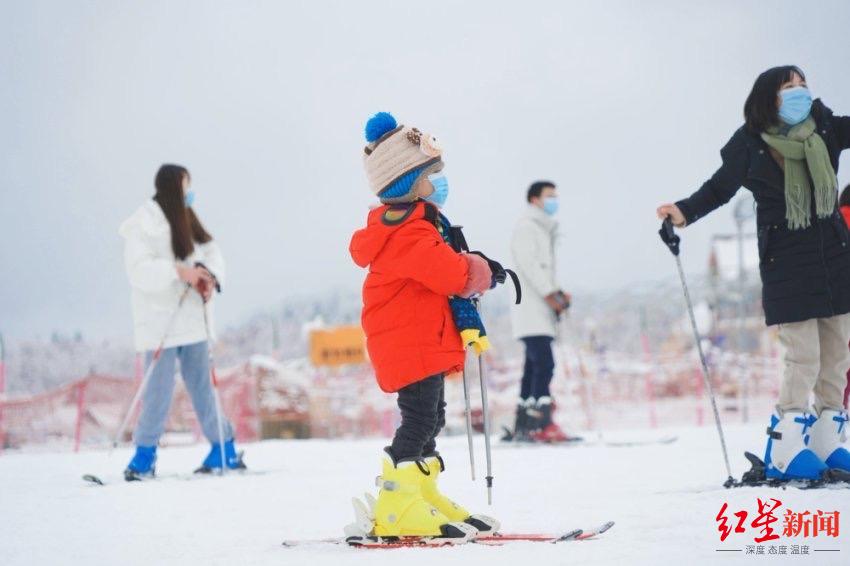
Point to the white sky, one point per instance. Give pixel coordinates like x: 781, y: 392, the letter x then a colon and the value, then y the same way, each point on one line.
x: 623, y: 104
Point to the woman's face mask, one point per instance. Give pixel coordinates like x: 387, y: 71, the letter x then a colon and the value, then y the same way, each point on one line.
x: 441, y: 190
x: 795, y: 104
x: 189, y: 198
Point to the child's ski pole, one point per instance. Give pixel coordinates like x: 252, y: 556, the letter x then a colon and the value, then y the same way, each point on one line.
x: 485, y: 415
x: 468, y: 423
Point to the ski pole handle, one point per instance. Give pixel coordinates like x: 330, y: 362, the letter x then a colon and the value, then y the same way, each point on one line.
x: 669, y: 236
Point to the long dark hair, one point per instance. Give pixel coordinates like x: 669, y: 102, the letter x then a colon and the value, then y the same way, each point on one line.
x: 760, y: 111
x: 186, y: 229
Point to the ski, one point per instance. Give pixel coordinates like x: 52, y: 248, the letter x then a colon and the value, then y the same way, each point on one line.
x: 99, y: 481
x: 95, y: 480
x: 509, y: 437
x: 496, y: 539
x: 197, y: 474
x: 508, y: 440
x: 576, y: 534
x: 756, y: 476
x: 634, y: 443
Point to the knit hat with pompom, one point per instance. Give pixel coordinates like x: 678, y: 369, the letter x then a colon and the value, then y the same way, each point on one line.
x: 396, y: 157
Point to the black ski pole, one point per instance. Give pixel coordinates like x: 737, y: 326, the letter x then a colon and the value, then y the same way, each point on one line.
x: 671, y: 240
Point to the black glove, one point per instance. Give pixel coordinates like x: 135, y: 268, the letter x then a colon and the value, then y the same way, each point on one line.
x: 501, y: 274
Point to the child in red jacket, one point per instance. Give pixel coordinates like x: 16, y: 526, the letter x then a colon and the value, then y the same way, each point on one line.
x: 844, y: 207
x: 411, y: 335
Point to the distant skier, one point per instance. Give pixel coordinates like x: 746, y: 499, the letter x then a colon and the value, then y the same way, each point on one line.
x: 167, y: 248
x: 535, y: 320
x: 787, y: 156
x: 414, y: 298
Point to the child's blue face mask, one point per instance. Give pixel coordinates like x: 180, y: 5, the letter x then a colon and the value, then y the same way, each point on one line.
x: 189, y: 198
x: 550, y: 205
x: 441, y: 190
x: 795, y: 106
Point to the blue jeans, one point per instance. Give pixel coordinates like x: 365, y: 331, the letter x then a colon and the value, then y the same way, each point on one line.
x: 539, y: 367
x: 156, y: 401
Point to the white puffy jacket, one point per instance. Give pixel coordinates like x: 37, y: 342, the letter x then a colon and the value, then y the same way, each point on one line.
x: 156, y: 288
x: 533, y: 251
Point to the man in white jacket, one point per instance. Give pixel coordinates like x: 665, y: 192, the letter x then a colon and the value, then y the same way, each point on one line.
x: 535, y: 319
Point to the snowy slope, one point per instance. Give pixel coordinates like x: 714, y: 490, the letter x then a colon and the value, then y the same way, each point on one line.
x: 663, y: 497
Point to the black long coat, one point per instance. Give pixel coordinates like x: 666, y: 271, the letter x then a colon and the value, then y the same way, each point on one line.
x: 805, y: 273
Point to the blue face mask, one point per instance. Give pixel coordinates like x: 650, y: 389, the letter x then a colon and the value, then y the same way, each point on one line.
x: 441, y: 190
x: 796, y: 105
x: 189, y: 198
x: 550, y: 205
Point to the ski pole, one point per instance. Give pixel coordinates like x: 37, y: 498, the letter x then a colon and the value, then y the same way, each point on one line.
x: 468, y: 423
x: 149, y: 372
x: 485, y: 414
x: 671, y: 240
x: 216, y: 396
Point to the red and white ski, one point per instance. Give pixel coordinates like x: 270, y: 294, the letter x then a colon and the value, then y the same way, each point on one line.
x: 496, y: 539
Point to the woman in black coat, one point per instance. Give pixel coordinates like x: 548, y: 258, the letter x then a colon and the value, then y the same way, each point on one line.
x: 787, y: 154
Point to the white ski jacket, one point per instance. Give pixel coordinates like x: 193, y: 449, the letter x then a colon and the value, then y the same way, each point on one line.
x: 156, y: 288
x: 533, y: 251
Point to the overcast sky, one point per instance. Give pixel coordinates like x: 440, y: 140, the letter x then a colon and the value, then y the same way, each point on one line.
x: 623, y: 104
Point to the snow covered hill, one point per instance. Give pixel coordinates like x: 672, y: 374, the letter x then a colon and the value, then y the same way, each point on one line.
x: 664, y: 499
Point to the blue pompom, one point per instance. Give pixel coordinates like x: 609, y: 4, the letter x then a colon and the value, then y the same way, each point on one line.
x: 378, y: 125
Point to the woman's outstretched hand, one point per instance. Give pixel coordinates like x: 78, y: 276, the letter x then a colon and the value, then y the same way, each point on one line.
x: 673, y: 212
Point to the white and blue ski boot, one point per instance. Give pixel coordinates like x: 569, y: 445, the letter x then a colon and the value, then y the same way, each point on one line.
x: 827, y: 435
x: 787, y: 457
x: 143, y: 464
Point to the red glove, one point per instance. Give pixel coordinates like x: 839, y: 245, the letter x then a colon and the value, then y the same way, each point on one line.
x: 480, y: 277
x: 558, y: 301
x: 204, y: 288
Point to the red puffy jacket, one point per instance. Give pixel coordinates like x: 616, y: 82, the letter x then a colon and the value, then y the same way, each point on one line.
x: 410, y: 333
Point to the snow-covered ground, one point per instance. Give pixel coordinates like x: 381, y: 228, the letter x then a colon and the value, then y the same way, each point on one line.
x: 664, y: 499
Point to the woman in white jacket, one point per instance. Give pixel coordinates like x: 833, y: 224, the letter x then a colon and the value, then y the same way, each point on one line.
x: 167, y: 251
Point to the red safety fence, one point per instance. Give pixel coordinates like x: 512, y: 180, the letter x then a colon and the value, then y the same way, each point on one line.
x: 89, y: 411
x: 269, y: 399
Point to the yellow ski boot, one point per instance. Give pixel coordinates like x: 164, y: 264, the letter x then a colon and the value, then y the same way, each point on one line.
x: 454, y: 512
x: 401, y: 509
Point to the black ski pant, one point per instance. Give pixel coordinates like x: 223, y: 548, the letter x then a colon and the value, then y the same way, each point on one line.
x: 539, y: 367
x: 423, y: 415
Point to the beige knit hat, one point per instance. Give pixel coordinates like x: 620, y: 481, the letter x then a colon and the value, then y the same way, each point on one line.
x: 397, y: 156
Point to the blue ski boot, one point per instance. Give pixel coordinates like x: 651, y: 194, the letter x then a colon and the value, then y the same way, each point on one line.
x: 213, y: 460
x: 786, y: 456
x: 826, y: 438
x: 143, y: 464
